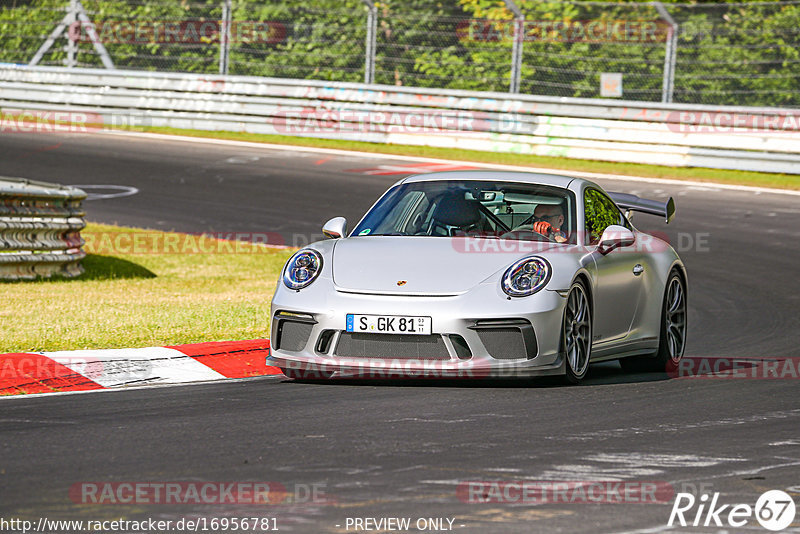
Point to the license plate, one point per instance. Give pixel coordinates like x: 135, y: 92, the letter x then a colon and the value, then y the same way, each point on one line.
x: 389, y: 324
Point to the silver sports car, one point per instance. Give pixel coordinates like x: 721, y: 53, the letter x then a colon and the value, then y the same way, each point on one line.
x: 483, y: 274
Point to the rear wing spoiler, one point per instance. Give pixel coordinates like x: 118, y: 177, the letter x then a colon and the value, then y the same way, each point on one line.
x: 654, y: 207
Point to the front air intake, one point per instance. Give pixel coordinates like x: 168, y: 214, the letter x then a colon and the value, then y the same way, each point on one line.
x: 292, y: 331
x: 507, y: 339
x: 389, y: 347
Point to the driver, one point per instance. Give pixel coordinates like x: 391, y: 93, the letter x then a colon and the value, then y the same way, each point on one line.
x: 546, y: 220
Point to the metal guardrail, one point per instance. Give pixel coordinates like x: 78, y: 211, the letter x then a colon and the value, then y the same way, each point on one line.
x: 40, y: 226
x: 681, y: 135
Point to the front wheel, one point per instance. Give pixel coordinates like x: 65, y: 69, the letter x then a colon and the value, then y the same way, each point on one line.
x: 576, y: 333
x: 672, y: 339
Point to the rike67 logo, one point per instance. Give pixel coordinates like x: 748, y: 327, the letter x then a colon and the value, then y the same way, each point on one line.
x: 774, y: 510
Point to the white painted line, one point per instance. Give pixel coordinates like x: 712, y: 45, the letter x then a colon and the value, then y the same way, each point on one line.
x: 116, y: 367
x: 269, y: 378
x: 737, y: 473
x: 651, y: 530
x: 121, y: 191
x: 497, y: 166
x: 636, y: 459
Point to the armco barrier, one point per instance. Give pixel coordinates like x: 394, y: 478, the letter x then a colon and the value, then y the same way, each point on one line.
x: 40, y: 226
x: 756, y: 139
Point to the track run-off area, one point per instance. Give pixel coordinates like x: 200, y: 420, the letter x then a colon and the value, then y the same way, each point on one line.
x: 405, y: 449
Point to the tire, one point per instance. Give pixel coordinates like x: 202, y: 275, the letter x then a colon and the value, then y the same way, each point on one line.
x: 576, y: 333
x: 672, y: 338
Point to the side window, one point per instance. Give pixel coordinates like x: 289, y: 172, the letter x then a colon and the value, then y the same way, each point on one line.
x: 600, y: 213
x: 398, y: 218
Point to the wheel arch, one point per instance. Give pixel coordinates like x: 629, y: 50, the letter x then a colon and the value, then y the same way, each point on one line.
x: 583, y: 276
x: 678, y: 267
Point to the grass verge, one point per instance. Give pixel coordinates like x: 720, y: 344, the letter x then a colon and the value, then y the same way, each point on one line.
x: 137, y: 293
x: 760, y: 179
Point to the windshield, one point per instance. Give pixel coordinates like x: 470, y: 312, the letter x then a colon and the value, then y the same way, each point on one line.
x: 506, y: 210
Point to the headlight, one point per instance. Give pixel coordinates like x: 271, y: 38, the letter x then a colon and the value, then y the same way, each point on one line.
x: 302, y: 269
x: 526, y: 277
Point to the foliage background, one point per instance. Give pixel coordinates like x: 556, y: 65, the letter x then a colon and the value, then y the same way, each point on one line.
x: 744, y: 53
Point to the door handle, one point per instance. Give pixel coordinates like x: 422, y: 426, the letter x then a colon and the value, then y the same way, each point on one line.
x: 638, y: 269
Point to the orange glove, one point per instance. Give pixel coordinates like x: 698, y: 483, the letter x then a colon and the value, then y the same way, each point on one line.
x: 542, y: 227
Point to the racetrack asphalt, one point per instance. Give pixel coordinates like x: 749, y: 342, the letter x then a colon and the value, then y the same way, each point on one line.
x: 400, y: 449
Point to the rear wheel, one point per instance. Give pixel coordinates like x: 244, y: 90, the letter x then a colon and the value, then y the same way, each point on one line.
x: 672, y: 339
x: 576, y: 333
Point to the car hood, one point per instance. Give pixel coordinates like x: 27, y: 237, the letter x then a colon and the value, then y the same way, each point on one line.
x: 423, y: 265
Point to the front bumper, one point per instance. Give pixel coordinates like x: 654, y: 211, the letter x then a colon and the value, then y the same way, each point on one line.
x: 478, y: 334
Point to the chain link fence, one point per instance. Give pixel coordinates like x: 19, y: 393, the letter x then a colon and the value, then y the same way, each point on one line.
x: 721, y: 53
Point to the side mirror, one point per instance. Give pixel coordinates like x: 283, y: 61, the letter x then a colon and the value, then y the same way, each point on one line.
x: 615, y: 236
x: 670, y: 209
x: 335, y: 228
